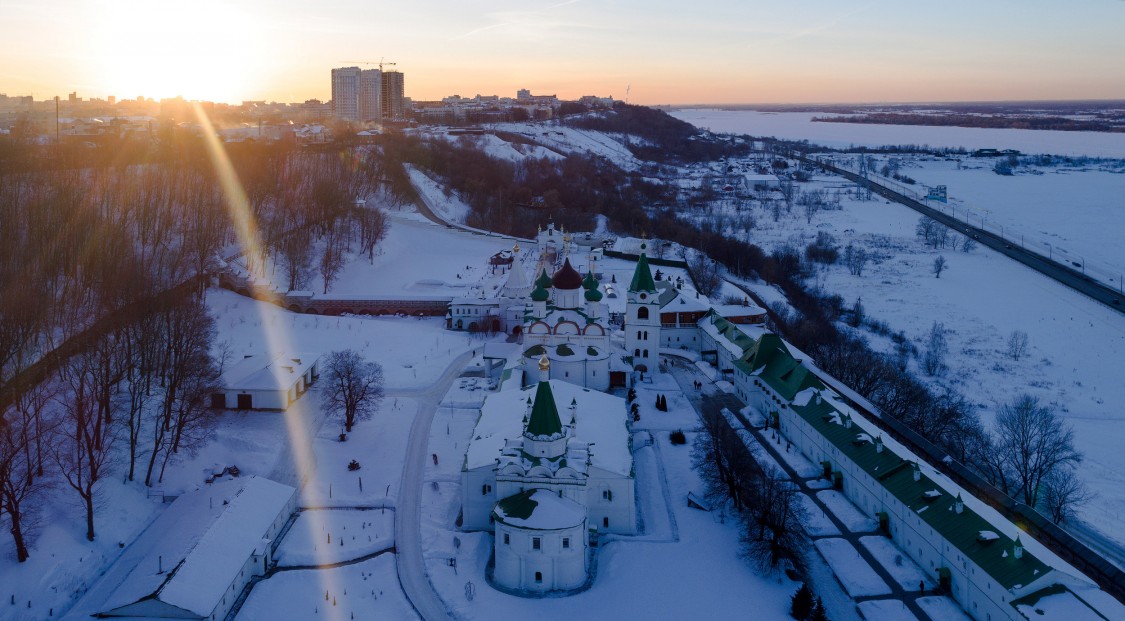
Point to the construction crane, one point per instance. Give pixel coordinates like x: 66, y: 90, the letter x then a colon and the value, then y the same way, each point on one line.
x: 370, y: 62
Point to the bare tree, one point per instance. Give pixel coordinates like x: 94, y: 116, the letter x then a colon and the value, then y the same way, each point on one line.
x: 775, y: 534
x: 933, y: 360
x: 1063, y: 493
x: 968, y: 244
x: 355, y: 386
x: 929, y: 230
x: 1017, y: 344
x: 20, y: 486
x: 939, y: 266
x: 706, y: 273
x: 855, y: 257
x: 82, y: 447
x: 373, y: 227
x: 1033, y: 444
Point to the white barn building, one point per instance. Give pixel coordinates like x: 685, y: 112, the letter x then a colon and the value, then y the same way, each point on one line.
x: 267, y: 381
x: 199, y: 555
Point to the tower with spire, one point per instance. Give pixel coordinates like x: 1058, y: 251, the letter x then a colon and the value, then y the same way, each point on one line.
x: 642, y: 317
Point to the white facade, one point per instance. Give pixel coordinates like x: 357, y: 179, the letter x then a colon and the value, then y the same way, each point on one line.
x: 345, y: 93
x: 544, y: 550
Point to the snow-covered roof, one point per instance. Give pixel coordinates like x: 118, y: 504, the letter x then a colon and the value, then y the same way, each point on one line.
x: 278, y: 371
x: 200, y: 543
x: 738, y: 310
x: 600, y: 422
x: 539, y: 509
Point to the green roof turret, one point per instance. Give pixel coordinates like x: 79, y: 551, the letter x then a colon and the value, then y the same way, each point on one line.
x: 642, y: 276
x: 544, y: 281
x: 544, y: 419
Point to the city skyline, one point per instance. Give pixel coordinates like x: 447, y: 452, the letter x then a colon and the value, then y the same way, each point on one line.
x: 659, y: 53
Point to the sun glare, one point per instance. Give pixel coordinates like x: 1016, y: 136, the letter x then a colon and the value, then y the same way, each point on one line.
x: 201, y: 50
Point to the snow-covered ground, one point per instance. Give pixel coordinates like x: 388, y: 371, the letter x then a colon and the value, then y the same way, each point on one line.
x: 799, y: 126
x: 417, y: 258
x: 336, y: 535
x: 572, y: 140
x: 1073, y: 214
x: 818, y: 524
x: 851, y: 570
x: 367, y: 590
x: 887, y: 610
x: 852, y: 518
x: 904, y: 571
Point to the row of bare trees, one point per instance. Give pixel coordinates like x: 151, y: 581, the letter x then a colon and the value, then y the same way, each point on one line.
x: 759, y: 494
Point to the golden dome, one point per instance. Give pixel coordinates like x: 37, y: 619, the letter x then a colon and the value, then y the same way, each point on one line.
x: 544, y: 364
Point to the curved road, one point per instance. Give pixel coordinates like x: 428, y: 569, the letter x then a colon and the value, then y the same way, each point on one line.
x: 408, y: 515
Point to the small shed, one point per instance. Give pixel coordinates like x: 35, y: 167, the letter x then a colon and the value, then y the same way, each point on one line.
x: 267, y: 381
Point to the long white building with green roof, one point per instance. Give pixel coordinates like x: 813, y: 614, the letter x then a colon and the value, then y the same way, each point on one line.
x: 986, y: 563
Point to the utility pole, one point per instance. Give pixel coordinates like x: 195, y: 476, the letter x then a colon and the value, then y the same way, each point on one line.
x: 56, y: 119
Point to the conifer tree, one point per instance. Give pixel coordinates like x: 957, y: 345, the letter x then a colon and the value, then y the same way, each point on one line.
x: 819, y: 613
x: 802, y: 603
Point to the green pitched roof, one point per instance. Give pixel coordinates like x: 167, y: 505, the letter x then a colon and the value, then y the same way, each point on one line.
x: 544, y: 419
x: 962, y: 530
x: 642, y: 276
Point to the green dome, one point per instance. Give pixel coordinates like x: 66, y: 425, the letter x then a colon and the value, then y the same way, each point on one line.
x: 590, y: 282
x: 544, y: 281
x: 539, y: 295
x: 593, y: 295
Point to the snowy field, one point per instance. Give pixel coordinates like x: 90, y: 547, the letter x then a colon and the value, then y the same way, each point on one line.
x: 851, y: 570
x: 417, y: 258
x: 367, y: 590
x: 799, y: 126
x: 1070, y: 214
x: 336, y: 535
x: 413, y: 351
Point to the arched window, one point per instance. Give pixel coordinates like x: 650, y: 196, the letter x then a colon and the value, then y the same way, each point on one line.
x: 637, y: 353
x: 646, y: 353
x: 642, y: 312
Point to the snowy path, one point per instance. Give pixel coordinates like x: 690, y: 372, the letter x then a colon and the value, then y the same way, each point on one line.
x: 408, y: 518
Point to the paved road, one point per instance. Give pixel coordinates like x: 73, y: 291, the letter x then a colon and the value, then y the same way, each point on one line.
x: 713, y: 400
x: 408, y: 516
x: 1056, y: 270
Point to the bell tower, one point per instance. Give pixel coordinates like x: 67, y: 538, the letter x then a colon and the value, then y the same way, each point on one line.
x: 642, y: 317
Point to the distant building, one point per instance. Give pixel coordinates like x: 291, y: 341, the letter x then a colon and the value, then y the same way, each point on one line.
x: 199, y: 555
x: 357, y: 94
x: 370, y: 95
x: 394, y: 91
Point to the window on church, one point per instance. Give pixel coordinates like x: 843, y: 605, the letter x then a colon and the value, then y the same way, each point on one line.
x: 637, y: 353
x: 507, y: 539
x: 485, y: 489
x: 642, y: 313
x: 605, y: 522
x: 646, y: 353
x: 566, y: 543
x: 538, y: 577
x: 607, y: 494
x: 536, y: 543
